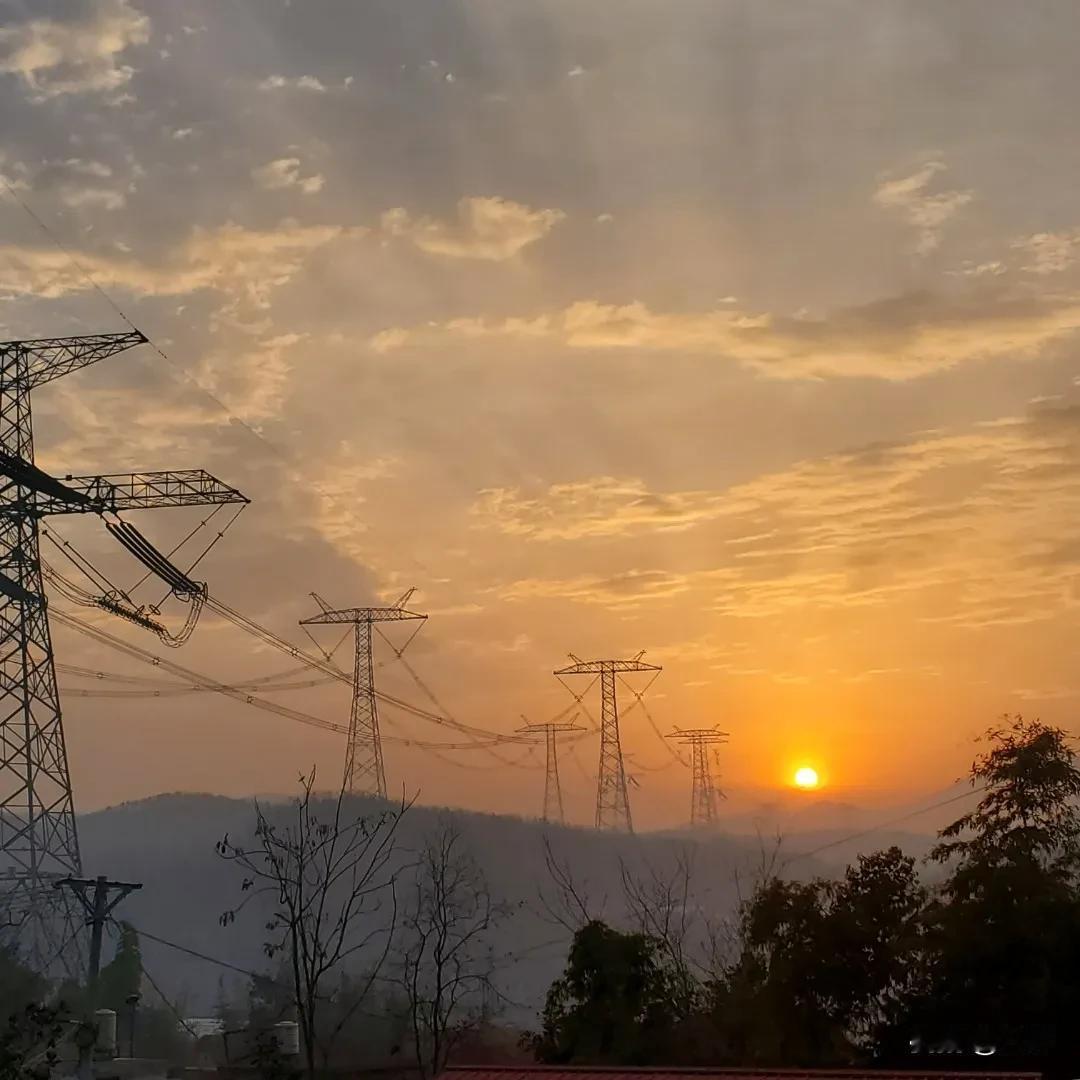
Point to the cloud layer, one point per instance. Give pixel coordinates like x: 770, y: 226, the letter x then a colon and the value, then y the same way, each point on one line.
x: 55, y: 58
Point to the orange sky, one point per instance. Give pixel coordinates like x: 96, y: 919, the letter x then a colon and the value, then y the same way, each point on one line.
x: 735, y: 332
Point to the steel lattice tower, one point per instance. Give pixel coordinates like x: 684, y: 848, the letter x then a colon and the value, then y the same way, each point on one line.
x: 39, y: 842
x: 364, y: 771
x: 704, y: 792
x: 612, y: 800
x: 553, y: 804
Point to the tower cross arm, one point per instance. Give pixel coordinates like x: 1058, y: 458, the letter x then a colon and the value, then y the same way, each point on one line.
x: 360, y: 615
x: 596, y: 667
x: 49, y: 358
x: 138, y: 491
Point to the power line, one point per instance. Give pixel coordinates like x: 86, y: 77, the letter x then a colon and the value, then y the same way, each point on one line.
x: 103, y: 637
x: 182, y: 371
x: 884, y: 825
x: 157, y: 989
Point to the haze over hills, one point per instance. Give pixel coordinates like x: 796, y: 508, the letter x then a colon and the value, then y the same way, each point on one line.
x: 167, y: 843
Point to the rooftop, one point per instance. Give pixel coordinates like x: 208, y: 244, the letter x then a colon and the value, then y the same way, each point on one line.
x: 607, y: 1072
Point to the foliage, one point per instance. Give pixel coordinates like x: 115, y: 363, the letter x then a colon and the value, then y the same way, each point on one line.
x: 1004, y: 933
x: 611, y: 1006
x: 860, y: 969
x: 19, y: 985
x: 268, y: 1061
x: 122, y: 977
x: 823, y: 964
x: 1027, y: 819
x: 29, y: 1040
x: 330, y: 889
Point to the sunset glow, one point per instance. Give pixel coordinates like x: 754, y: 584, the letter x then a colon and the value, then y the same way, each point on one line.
x: 807, y: 778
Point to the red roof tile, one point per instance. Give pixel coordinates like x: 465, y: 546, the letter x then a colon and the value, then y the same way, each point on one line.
x: 561, y: 1072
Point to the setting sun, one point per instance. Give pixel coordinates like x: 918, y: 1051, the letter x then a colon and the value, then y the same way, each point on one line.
x: 806, y: 777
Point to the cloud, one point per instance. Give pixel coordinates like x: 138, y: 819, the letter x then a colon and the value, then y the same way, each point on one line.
x: 299, y: 82
x: 75, y: 57
x: 993, y: 268
x: 926, y: 211
x: 602, y: 506
x: 340, y: 516
x: 388, y: 340
x: 961, y: 528
x: 244, y: 265
x: 486, y: 228
x: 628, y: 589
x: 252, y: 383
x: 79, y: 184
x: 285, y: 173
x: 899, y: 338
x: 1050, y: 253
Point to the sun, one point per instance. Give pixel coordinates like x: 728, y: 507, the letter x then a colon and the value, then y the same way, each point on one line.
x: 806, y: 778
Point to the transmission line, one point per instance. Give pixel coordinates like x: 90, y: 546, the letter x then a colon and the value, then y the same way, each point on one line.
x: 103, y: 637
x: 884, y: 825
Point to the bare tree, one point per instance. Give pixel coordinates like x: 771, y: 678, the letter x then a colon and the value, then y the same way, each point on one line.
x: 568, y: 902
x: 330, y: 884
x: 445, y: 958
x: 663, y: 907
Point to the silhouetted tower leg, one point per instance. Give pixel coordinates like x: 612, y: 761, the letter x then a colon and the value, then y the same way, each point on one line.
x: 553, y: 807
x: 702, y: 811
x: 39, y: 843
x: 703, y: 793
x: 612, y: 800
x: 37, y: 812
x: 364, y: 770
x: 553, y: 804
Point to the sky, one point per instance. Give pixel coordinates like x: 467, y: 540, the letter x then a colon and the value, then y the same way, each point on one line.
x: 739, y: 331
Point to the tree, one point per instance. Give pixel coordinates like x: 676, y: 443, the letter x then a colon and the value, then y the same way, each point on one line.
x: 19, y: 985
x: 661, y: 907
x: 1004, y: 929
x: 445, y: 959
x: 823, y: 965
x: 876, y: 944
x: 612, y: 1004
x: 330, y: 888
x: 122, y: 977
x: 28, y: 1042
x: 1027, y: 819
x: 772, y: 1006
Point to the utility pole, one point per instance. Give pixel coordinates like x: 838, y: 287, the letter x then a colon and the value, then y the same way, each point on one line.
x: 38, y: 838
x: 704, y: 793
x: 98, y: 907
x: 553, y: 804
x: 364, y: 770
x: 612, y: 800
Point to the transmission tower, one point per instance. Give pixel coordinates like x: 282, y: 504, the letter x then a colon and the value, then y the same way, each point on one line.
x: 38, y: 839
x: 553, y: 804
x: 364, y: 772
x: 704, y: 792
x: 612, y: 801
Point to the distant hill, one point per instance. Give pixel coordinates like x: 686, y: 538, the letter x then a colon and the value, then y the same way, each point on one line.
x: 167, y: 843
